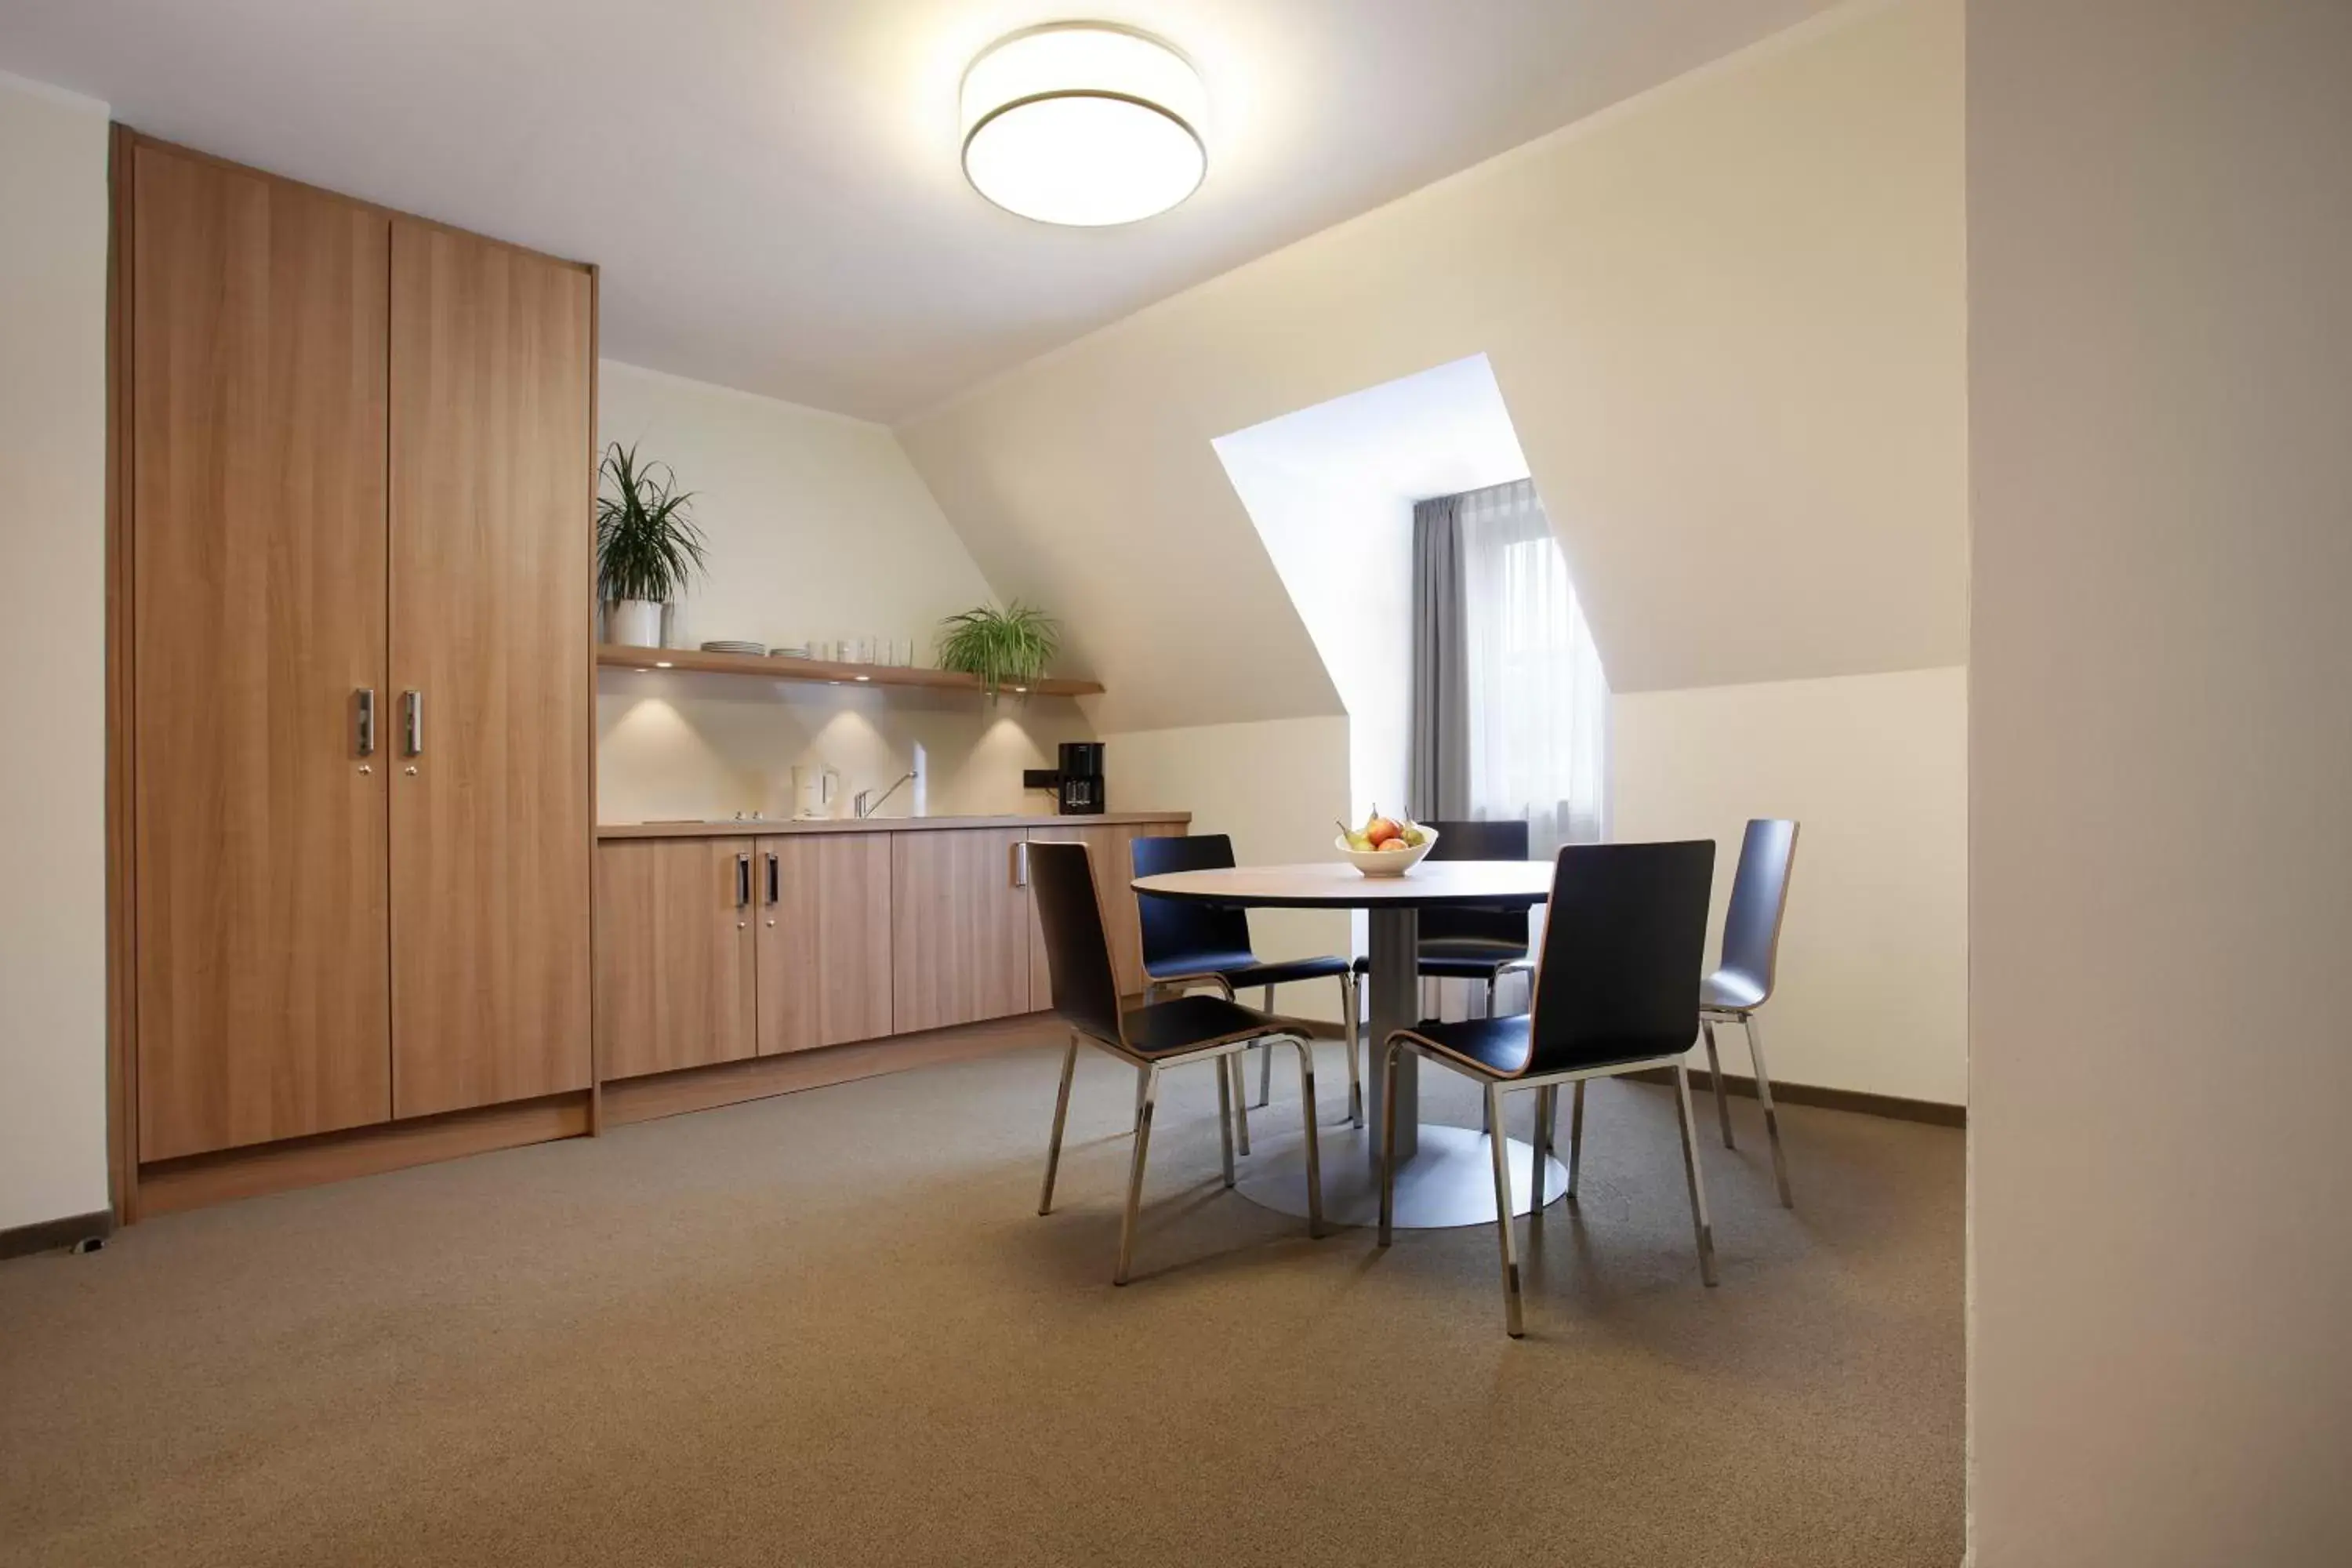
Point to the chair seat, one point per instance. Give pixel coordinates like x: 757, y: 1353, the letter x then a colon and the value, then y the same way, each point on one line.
x: 1188, y: 1023
x: 1731, y: 991
x: 1241, y: 969
x: 1461, y: 957
x: 1498, y: 1047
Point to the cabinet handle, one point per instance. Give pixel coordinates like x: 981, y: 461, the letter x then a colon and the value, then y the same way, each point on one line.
x: 774, y: 884
x: 367, y: 722
x: 743, y: 880
x: 412, y: 723
x: 1021, y: 863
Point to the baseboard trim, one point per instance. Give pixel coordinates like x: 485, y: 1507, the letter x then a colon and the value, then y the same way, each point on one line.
x: 629, y: 1099
x: 194, y: 1181
x: 1895, y: 1106
x: 49, y: 1234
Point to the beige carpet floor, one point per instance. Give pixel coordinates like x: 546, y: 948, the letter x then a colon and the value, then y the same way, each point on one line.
x: 830, y: 1328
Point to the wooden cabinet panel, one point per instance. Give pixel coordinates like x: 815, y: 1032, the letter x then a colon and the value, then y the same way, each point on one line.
x: 492, y: 466
x: 826, y: 939
x: 1109, y: 844
x: 674, y: 956
x: 961, y: 927
x: 257, y: 523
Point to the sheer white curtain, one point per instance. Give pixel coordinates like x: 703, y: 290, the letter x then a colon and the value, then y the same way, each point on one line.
x: 1539, y: 708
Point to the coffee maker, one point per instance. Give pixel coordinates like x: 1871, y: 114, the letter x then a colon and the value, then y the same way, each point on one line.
x: 1077, y: 783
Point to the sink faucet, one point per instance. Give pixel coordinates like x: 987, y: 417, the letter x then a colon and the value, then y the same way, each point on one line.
x: 864, y: 802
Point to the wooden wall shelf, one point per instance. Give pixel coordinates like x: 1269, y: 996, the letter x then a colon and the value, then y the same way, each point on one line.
x: 617, y: 656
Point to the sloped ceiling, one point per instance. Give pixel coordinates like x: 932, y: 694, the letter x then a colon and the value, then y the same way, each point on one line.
x: 1729, y: 318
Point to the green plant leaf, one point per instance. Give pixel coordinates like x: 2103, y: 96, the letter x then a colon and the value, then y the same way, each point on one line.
x: 1008, y: 647
x: 647, y: 546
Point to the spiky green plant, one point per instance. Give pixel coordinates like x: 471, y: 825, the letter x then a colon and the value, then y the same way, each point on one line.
x: 647, y: 545
x: 1004, y: 648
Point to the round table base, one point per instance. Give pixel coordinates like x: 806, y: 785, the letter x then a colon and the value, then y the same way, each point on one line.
x: 1449, y: 1181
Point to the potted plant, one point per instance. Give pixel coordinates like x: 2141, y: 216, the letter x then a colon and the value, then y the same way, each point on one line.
x: 647, y: 549
x: 1003, y: 648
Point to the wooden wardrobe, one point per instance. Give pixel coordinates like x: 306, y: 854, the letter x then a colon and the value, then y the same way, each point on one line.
x: 355, y: 487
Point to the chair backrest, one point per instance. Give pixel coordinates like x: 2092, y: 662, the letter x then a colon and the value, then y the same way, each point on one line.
x: 1505, y: 840
x: 1182, y: 937
x: 1078, y: 947
x: 1760, y: 896
x: 1624, y: 936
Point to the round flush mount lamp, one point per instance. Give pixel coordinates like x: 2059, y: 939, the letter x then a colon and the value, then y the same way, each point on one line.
x: 1083, y: 123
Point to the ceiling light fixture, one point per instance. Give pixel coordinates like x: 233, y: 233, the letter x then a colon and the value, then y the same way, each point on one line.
x: 1083, y: 123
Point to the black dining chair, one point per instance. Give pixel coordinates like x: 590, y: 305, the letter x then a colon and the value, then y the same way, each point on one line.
x: 1151, y: 1038
x: 1469, y: 942
x: 1616, y: 992
x: 1188, y: 944
x: 1742, y: 981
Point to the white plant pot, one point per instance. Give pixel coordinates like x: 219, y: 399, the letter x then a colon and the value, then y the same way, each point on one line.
x: 634, y: 623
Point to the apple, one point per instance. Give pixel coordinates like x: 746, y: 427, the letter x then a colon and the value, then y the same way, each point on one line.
x: 1382, y: 827
x: 1396, y: 843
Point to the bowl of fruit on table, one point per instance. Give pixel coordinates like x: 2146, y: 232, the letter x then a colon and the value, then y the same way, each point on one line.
x: 1385, y: 846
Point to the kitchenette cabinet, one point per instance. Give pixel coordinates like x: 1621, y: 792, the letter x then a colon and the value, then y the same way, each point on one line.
x: 830, y: 934
x: 827, y: 939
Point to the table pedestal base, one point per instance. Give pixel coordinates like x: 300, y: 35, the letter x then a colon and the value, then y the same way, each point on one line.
x: 1448, y: 1181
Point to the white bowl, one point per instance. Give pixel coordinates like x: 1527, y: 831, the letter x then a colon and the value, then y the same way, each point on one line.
x: 1387, y: 862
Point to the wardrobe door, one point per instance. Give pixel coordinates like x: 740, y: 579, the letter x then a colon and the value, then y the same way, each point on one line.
x: 258, y: 614
x: 492, y: 470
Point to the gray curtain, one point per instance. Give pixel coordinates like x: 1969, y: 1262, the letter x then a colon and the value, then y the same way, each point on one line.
x: 1438, y: 768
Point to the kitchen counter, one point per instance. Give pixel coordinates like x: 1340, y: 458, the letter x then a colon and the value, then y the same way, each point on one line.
x: 784, y: 825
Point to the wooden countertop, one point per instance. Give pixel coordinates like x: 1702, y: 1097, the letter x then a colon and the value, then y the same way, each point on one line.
x: 779, y: 826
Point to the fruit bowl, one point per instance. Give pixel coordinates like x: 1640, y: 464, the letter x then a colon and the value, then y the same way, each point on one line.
x: 1387, y: 862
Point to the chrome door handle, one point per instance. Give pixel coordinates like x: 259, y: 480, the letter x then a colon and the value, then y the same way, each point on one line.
x: 366, y: 738
x: 774, y: 882
x: 1021, y: 863
x: 412, y: 723
x: 743, y: 880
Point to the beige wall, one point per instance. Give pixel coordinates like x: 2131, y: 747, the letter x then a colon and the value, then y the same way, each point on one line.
x: 817, y: 528
x: 1874, y: 953
x: 52, y: 226
x: 1729, y: 320
x: 2161, y: 244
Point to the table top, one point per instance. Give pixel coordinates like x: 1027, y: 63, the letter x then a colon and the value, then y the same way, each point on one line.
x: 1336, y: 884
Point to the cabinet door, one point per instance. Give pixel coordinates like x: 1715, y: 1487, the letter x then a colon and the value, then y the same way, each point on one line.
x: 1108, y: 846
x: 257, y: 613
x: 825, y: 940
x: 675, y: 955
x: 492, y: 466
x: 961, y: 927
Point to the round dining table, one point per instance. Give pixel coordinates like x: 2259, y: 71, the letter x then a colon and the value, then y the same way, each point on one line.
x: 1444, y: 1175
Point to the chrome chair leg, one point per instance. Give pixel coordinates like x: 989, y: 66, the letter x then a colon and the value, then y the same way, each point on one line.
x: 1135, y: 1174
x: 1349, y: 1043
x: 1388, y: 1140
x: 1539, y: 1142
x: 1500, y: 1149
x: 1061, y: 1116
x: 1265, y: 1058
x: 1699, y: 1225
x: 1314, y: 1154
x: 1715, y: 1077
x: 1225, y: 1117
x: 1240, y: 1096
x: 1575, y: 1139
x: 1771, y: 1117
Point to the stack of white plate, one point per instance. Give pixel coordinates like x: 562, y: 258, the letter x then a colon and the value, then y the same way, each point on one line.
x: 799, y: 650
x: 727, y: 645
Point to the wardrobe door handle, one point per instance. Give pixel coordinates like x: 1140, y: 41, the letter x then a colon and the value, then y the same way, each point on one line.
x: 412, y: 723
x: 1021, y: 863
x: 743, y: 880
x: 366, y: 721
x: 774, y: 882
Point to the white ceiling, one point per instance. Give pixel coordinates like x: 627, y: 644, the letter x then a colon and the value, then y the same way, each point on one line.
x: 772, y: 188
